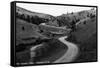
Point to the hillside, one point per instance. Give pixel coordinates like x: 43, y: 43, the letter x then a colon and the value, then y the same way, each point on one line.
x: 86, y: 37
x: 27, y: 32
x: 85, y: 29
x: 31, y: 13
x: 62, y: 20
x: 69, y: 18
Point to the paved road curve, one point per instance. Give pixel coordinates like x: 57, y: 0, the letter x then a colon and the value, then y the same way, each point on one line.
x: 70, y: 54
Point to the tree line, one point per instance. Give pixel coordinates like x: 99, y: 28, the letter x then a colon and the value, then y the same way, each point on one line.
x: 31, y: 19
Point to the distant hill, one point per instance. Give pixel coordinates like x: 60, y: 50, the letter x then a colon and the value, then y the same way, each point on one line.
x: 62, y: 20
x: 21, y: 10
x: 68, y: 18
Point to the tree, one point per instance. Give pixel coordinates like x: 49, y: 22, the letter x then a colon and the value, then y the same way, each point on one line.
x: 73, y: 26
x: 28, y: 18
x: 32, y: 19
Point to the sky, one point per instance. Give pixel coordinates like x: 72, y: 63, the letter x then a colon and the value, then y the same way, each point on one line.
x: 54, y: 10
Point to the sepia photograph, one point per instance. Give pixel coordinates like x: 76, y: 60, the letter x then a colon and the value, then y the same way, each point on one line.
x: 53, y: 34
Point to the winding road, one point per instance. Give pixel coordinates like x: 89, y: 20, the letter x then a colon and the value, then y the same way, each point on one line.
x: 66, y: 52
x: 70, y: 54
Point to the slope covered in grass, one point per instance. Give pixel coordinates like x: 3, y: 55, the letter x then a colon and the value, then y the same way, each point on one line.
x: 85, y: 37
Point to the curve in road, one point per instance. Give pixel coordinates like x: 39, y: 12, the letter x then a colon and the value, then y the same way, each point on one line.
x: 70, y: 54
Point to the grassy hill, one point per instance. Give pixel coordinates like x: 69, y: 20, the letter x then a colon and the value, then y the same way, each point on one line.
x: 31, y: 13
x: 62, y: 20
x: 27, y: 32
x: 85, y: 29
x: 69, y: 18
x: 85, y: 37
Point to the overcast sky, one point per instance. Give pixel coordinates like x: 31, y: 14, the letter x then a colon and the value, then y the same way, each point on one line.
x: 54, y: 10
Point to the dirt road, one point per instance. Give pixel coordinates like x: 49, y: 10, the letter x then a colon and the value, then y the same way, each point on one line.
x: 70, y: 54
